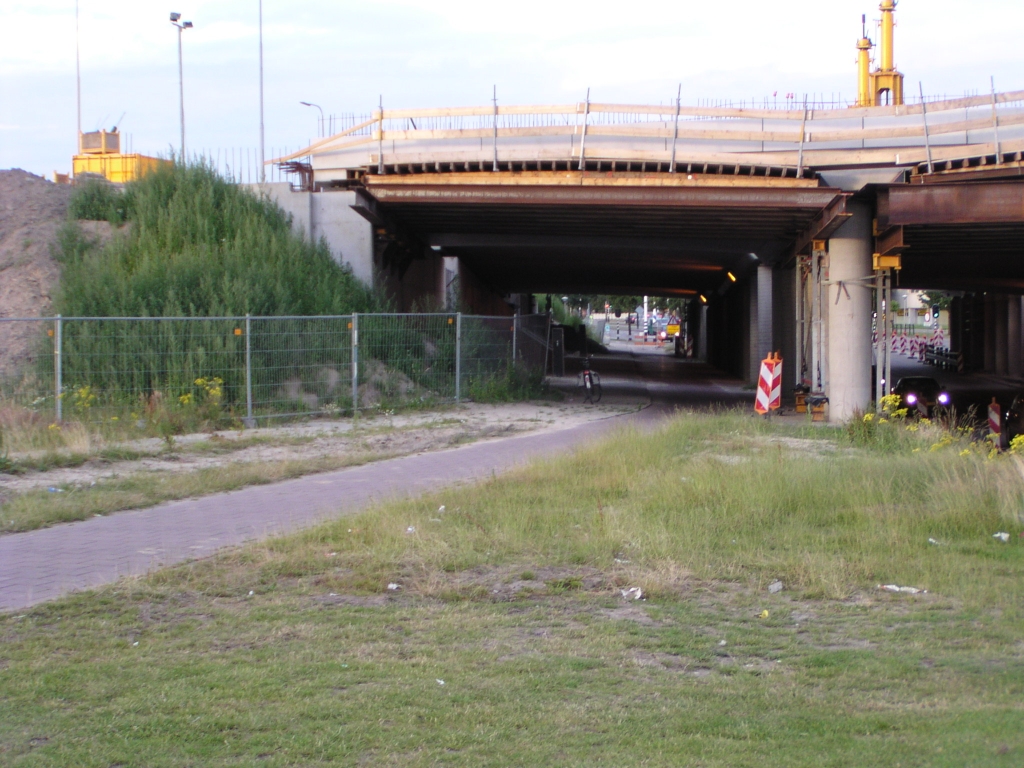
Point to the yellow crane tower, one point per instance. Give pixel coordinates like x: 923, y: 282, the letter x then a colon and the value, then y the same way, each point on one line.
x: 885, y: 84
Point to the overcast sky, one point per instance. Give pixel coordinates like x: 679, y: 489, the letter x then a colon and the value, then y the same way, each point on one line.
x: 346, y: 55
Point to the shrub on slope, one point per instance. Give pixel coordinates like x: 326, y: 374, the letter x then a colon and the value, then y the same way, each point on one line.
x: 197, y: 245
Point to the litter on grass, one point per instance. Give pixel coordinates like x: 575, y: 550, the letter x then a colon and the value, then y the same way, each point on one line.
x: 633, y: 593
x: 765, y: 614
x: 937, y: 543
x: 410, y: 529
x: 907, y: 590
x: 394, y: 587
x: 775, y: 587
x: 1003, y: 536
x: 441, y: 508
x: 439, y: 681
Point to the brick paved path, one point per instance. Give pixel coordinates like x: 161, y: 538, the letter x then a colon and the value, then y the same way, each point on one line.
x: 44, y: 564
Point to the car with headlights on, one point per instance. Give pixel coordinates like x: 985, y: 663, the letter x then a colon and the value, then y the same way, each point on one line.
x: 921, y: 394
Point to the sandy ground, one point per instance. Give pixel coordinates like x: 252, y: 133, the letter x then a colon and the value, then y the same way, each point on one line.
x: 31, y: 210
x: 380, y: 436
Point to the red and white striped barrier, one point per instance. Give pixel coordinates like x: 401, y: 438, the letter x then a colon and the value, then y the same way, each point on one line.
x: 769, y: 385
x: 995, y: 419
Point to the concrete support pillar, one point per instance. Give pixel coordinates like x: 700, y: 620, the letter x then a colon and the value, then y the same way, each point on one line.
x: 849, y: 316
x: 1015, y: 360
x: 760, y: 320
x: 1002, y: 322
x: 750, y: 340
x: 990, y: 333
x: 765, y: 313
x: 702, y: 334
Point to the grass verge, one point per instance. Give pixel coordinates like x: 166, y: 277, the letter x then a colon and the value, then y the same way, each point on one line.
x: 508, y: 641
x: 65, y: 504
x: 68, y: 502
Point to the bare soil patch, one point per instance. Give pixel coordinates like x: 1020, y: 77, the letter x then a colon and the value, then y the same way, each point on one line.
x: 31, y: 211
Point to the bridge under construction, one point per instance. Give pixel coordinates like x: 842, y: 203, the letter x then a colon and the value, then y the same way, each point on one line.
x: 786, y: 227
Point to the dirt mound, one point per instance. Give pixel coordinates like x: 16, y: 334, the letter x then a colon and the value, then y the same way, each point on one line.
x: 31, y: 211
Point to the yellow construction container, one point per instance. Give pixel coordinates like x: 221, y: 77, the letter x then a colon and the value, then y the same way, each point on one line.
x: 116, y: 168
x: 99, y: 153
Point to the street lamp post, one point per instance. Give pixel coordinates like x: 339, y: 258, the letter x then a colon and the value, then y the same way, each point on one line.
x: 181, y: 80
x: 319, y: 133
x: 263, y: 166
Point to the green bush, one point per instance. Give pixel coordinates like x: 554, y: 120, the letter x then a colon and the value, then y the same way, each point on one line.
x: 98, y: 200
x: 196, y: 245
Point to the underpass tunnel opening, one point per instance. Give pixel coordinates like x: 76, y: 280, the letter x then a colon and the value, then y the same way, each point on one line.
x: 741, y: 253
x: 720, y: 247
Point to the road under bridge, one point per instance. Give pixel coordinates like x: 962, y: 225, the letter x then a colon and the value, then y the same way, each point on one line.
x: 782, y: 226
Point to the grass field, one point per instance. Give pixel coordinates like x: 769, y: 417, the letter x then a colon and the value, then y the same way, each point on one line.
x: 508, y: 640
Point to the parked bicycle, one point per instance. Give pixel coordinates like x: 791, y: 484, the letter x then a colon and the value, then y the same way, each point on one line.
x: 589, y: 382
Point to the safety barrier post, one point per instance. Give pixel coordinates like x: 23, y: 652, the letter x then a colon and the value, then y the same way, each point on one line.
x: 995, y: 420
x: 354, y: 325
x: 458, y: 356
x: 769, y: 386
x: 58, y: 343
x: 248, y: 372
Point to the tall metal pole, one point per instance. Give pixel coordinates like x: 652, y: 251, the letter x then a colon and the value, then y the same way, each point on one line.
x: 995, y: 124
x: 675, y: 133
x: 78, y: 81
x: 803, y: 135
x: 355, y: 365
x: 927, y: 139
x: 458, y: 356
x: 583, y: 138
x: 248, y: 371
x: 495, y: 166
x: 263, y: 170
x: 817, y: 384
x: 881, y: 343
x: 380, y: 138
x: 58, y: 382
x: 515, y: 328
x: 181, y: 96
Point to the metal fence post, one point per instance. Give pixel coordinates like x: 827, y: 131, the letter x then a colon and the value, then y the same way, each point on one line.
x: 515, y: 327
x: 248, y: 371
x: 355, y: 364
x: 458, y: 356
x: 58, y: 335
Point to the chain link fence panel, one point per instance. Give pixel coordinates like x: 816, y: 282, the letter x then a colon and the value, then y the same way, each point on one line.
x: 246, y: 368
